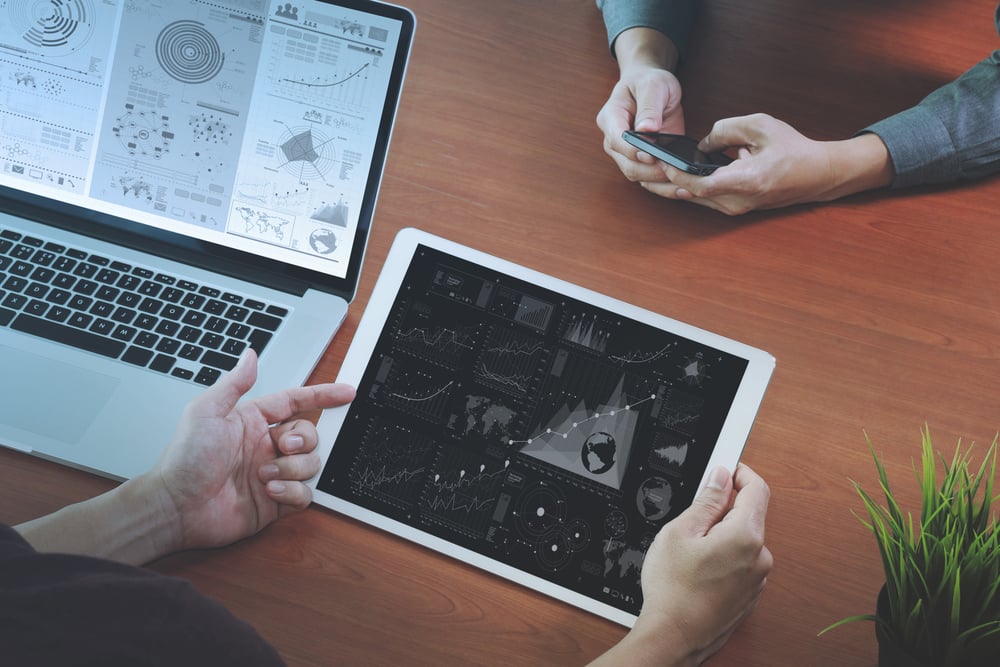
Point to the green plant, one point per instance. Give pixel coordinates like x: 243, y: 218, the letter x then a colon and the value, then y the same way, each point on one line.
x: 942, y: 574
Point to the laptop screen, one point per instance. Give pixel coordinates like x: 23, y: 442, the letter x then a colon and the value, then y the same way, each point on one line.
x: 256, y: 125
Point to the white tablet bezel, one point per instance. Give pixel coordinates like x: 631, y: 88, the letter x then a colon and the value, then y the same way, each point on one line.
x: 727, y: 452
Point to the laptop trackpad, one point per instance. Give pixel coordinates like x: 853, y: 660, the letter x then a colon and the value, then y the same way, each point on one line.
x: 53, y: 399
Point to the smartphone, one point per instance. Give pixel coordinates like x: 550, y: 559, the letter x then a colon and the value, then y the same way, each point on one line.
x: 677, y: 150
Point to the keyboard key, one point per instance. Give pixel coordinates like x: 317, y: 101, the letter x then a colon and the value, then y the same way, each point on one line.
x: 121, y: 266
x: 277, y: 311
x: 58, y: 296
x: 104, y: 327
x: 43, y: 275
x: 237, y: 313
x: 43, y: 258
x: 22, y: 251
x: 209, y: 291
x: 193, y: 301
x: 215, y: 307
x: 107, y: 276
x: 137, y: 355
x: 254, y: 305
x: 67, y: 335
x: 191, y: 352
x: 123, y: 315
x: 194, y: 318
x: 58, y: 314
x: 187, y: 285
x: 182, y: 373
x: 6, y: 315
x: 22, y: 269
x: 15, y: 284
x: 80, y: 302
x: 259, y: 339
x: 262, y: 321
x: 189, y: 334
x: 64, y: 280
x: 107, y: 293
x: 87, y: 287
x: 102, y: 309
x: 36, y: 290
x: 171, y: 295
x: 55, y: 247
x: 211, y: 341
x: 229, y: 297
x: 85, y: 270
x: 81, y: 320
x: 142, y: 273
x: 168, y: 346
x: 36, y: 307
x: 237, y: 330
x: 123, y: 333
x: 234, y: 347
x: 64, y: 264
x: 167, y: 328
x: 99, y: 260
x: 162, y: 363
x: 32, y: 241
x: 216, y: 324
x: 15, y: 301
x: 165, y: 279
x: 76, y: 253
x: 128, y: 282
x: 219, y: 360
x: 146, y: 339
x: 145, y: 321
x: 207, y: 376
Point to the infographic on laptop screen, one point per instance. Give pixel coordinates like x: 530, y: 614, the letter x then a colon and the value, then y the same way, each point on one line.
x: 535, y: 429
x: 251, y: 123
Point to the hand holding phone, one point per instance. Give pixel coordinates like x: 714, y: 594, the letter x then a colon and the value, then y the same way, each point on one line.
x: 677, y: 150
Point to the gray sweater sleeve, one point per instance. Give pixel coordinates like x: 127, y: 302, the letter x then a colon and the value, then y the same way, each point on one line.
x: 954, y: 133
x: 674, y: 18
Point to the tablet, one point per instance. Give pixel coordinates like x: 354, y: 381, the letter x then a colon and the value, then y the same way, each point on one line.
x: 527, y: 426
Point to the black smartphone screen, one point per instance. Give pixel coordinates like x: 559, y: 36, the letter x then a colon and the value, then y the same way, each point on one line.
x: 679, y: 150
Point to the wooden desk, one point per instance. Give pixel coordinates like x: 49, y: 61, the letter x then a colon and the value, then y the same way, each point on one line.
x: 881, y: 311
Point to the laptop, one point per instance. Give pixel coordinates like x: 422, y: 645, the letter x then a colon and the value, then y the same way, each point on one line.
x: 527, y: 426
x: 179, y: 181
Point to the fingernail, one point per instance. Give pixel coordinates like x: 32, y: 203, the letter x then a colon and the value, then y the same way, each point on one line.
x: 717, y: 479
x: 276, y: 488
x: 269, y: 470
x: 294, y: 443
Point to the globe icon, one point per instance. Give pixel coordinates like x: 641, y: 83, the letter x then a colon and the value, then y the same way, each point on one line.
x: 653, y: 498
x: 323, y: 241
x: 598, y: 452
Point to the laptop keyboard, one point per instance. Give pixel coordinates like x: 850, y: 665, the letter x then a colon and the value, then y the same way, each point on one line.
x: 136, y: 314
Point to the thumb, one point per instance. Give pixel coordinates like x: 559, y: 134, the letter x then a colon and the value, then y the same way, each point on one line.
x: 220, y: 399
x: 711, y: 504
x: 649, y: 109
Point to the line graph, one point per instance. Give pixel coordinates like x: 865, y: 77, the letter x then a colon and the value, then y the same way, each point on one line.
x: 463, y: 491
x: 638, y: 357
x: 328, y: 84
x: 391, y: 464
x: 511, y: 363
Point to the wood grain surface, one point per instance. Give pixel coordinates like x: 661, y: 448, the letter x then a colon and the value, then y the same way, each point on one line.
x: 880, y: 309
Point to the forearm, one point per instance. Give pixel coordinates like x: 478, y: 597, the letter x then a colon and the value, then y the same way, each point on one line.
x: 857, y: 164
x: 129, y: 524
x: 645, y: 47
x: 648, y: 646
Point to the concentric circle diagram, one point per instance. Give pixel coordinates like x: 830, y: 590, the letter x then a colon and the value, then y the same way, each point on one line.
x: 188, y: 52
x: 57, y: 26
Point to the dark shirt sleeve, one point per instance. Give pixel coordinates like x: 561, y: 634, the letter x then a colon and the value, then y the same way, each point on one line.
x: 61, y: 609
x: 674, y: 18
x: 954, y: 133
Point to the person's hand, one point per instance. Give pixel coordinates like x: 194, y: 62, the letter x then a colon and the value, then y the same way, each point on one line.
x: 702, y: 576
x: 778, y: 166
x: 647, y: 98
x: 232, y: 468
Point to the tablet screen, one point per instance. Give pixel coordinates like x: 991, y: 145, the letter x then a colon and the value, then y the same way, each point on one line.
x: 530, y: 427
